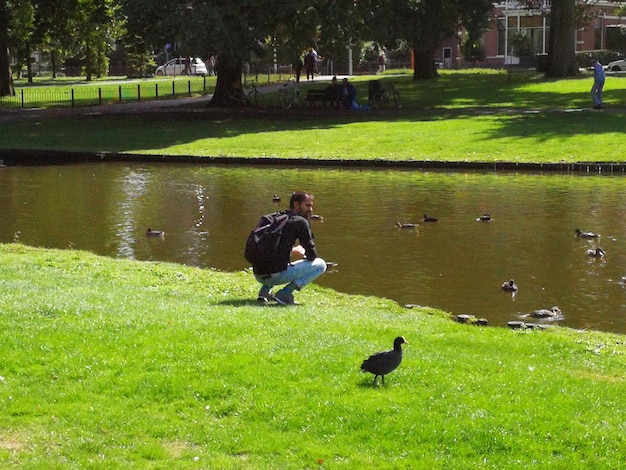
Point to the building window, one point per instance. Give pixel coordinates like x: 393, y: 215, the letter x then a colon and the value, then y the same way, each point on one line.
x: 534, y: 28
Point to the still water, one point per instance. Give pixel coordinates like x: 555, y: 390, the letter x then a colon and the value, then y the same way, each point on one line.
x: 456, y: 264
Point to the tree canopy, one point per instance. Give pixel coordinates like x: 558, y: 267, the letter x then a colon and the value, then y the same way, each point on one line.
x: 233, y: 31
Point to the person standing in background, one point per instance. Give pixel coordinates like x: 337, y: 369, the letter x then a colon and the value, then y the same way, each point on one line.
x: 598, y: 85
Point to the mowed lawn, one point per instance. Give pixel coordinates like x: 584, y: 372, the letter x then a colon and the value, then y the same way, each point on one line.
x: 476, y: 116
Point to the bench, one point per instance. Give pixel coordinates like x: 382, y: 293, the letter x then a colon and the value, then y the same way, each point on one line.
x: 319, y: 96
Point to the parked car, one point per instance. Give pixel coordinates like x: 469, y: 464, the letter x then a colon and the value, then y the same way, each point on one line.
x: 177, y: 67
x: 617, y: 66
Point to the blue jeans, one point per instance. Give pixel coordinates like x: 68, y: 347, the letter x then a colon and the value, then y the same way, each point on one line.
x: 300, y: 272
x: 596, y: 92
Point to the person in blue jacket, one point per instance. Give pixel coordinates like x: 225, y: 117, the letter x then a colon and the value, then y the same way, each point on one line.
x: 598, y: 85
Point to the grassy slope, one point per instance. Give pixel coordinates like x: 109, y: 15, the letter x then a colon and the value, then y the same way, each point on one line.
x: 460, y: 117
x: 114, y: 364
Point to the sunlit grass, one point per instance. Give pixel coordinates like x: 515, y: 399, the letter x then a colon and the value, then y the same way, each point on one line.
x: 117, y: 364
x: 485, y: 116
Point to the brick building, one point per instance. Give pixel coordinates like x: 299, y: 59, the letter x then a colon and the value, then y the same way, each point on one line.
x: 510, y: 17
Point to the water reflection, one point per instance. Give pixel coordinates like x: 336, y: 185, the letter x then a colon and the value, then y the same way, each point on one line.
x: 456, y: 263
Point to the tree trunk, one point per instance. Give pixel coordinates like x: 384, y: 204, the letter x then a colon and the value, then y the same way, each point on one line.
x: 88, y: 61
x: 562, y: 39
x: 53, y: 63
x: 6, y: 80
x: 228, y: 83
x: 423, y: 63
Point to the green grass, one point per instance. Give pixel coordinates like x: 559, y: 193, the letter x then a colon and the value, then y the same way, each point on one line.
x: 474, y: 117
x: 77, y: 93
x: 120, y: 364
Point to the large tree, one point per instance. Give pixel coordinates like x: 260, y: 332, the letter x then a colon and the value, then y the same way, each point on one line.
x: 561, y: 41
x: 233, y: 31
x: 426, y: 23
x: 6, y: 80
x: 565, y: 17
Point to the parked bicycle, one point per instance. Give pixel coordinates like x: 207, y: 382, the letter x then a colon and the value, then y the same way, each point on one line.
x: 289, y: 95
x: 241, y: 97
x: 384, y: 96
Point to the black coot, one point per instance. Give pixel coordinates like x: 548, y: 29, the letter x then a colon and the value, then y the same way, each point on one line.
x: 384, y: 362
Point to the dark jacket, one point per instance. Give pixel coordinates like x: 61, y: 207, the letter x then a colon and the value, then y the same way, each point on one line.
x: 296, y: 228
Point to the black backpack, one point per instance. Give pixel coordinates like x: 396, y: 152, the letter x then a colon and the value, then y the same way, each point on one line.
x: 264, y: 239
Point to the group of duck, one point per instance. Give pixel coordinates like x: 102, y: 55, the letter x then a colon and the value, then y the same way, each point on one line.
x: 427, y: 219
x: 596, y: 252
x: 555, y: 313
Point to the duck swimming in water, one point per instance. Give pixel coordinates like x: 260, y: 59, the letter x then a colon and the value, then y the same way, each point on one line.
x: 406, y: 225
x: 596, y: 253
x: 586, y: 235
x: 509, y: 286
x: 155, y: 233
x: 553, y: 313
x: 429, y: 219
x: 484, y: 218
x: 276, y: 198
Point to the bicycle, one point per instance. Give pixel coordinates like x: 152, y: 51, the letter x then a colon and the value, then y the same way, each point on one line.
x: 289, y: 95
x: 238, y: 96
x: 385, y: 96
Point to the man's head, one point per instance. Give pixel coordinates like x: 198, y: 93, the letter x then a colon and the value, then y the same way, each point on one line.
x: 301, y: 203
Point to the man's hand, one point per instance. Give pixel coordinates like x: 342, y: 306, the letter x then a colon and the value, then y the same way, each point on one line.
x: 298, y: 250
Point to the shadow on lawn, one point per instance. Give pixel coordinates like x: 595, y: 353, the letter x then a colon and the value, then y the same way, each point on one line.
x: 526, y: 113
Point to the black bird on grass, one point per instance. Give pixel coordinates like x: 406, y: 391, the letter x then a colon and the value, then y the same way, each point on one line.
x: 384, y: 362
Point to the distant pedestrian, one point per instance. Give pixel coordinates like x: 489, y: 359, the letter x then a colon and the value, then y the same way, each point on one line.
x: 598, y: 85
x: 297, y: 68
x: 210, y: 65
x: 382, y: 59
x: 309, y: 64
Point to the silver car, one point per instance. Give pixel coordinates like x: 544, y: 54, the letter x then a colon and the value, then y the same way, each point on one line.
x: 617, y: 66
x: 178, y: 66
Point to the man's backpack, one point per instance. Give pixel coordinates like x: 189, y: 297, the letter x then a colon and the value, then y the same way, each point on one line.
x: 264, y: 239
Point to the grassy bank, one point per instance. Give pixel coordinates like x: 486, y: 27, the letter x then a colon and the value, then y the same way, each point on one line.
x: 116, y: 364
x: 487, y: 117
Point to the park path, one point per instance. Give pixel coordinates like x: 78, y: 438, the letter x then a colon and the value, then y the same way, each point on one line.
x: 133, y: 107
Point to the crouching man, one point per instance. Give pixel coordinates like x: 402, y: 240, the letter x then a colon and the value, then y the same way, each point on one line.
x: 279, y: 269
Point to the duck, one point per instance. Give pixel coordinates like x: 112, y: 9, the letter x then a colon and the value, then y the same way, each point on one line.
x: 406, y: 225
x: 484, y: 218
x: 586, y: 235
x: 509, y: 286
x: 554, y: 312
x: 276, y: 198
x: 429, y: 219
x: 596, y: 253
x: 155, y: 233
x: 384, y: 362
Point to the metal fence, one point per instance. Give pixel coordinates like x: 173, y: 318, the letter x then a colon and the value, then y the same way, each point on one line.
x: 83, y: 95
x: 86, y: 95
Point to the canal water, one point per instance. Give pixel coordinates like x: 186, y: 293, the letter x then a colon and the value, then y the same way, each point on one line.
x: 456, y: 264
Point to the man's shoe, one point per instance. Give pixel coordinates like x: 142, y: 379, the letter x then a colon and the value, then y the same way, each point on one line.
x: 284, y: 297
x: 265, y: 296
